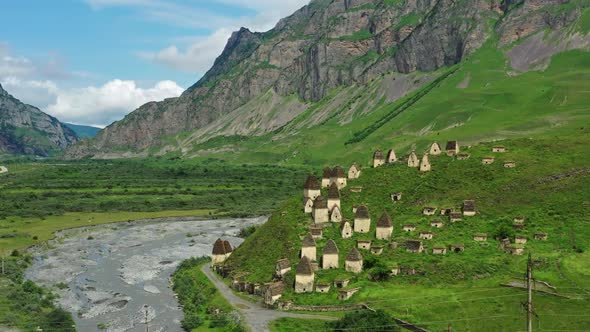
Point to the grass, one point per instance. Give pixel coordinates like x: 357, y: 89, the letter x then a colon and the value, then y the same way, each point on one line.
x: 548, y: 186
x: 296, y: 324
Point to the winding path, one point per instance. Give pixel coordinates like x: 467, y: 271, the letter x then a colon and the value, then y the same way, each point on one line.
x: 257, y: 316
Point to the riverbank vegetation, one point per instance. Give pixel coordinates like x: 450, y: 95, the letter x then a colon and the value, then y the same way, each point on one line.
x: 205, y: 309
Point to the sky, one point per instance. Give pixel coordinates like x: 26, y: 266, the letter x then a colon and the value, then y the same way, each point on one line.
x: 94, y: 61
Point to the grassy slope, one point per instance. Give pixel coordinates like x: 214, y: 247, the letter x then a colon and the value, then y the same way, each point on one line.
x: 495, y: 105
x: 462, y: 288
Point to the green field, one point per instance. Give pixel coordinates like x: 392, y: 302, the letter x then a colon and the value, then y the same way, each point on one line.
x: 549, y: 186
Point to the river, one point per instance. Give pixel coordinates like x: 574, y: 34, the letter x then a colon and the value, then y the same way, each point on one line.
x: 118, y: 274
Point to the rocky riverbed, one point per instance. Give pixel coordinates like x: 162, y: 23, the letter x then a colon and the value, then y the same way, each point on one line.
x: 117, y: 275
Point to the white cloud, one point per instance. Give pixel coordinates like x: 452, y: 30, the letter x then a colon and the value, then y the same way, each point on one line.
x: 109, y: 102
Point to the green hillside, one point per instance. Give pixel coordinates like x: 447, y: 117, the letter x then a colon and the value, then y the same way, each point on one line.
x: 83, y: 131
x: 549, y: 186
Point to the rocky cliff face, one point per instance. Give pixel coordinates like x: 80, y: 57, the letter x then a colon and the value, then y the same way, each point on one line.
x: 24, y: 129
x: 325, y: 45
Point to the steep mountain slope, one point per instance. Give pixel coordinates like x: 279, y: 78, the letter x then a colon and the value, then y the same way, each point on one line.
x: 83, y: 131
x: 24, y: 129
x: 316, y: 65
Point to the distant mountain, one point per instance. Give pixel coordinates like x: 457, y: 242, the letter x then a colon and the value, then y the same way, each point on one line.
x: 24, y: 129
x: 354, y: 66
x: 83, y: 131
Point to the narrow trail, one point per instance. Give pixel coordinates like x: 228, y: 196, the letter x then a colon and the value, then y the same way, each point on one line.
x: 257, y: 317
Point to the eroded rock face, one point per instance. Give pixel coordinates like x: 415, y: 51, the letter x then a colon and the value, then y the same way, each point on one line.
x: 24, y: 129
x: 324, y: 45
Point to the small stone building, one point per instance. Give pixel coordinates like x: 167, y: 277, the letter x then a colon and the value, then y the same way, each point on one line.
x: 436, y: 224
x: 341, y: 283
x: 312, y: 187
x: 457, y: 248
x: 425, y: 164
x: 273, y: 293
x: 316, y: 232
x: 438, y: 250
x: 346, y: 230
x: 429, y: 211
x: 336, y: 215
x: 452, y: 148
x: 540, y: 236
x: 346, y: 294
x: 413, y: 160
x: 362, y: 220
x: 304, y: 277
x: 520, y: 239
x: 356, y: 189
x: 480, y: 237
x: 330, y: 256
x: 354, y: 172
x: 322, y: 288
x: 414, y: 246
x: 391, y: 157
x: 326, y: 176
x: 222, y: 249
x: 396, y: 197
x: 514, y: 250
x: 333, y: 197
x: 307, y: 205
x: 378, y: 159
x: 384, y: 227
x: 426, y: 235
x: 394, y: 271
x: 320, y: 211
x: 435, y: 149
x: 463, y: 156
x: 282, y: 267
x: 445, y: 211
x: 469, y: 208
x: 338, y: 177
x: 377, y: 250
x: 455, y: 216
x: 308, y: 247
x: 363, y: 244
x: 500, y: 149
x: 354, y: 261
x: 487, y: 160
x: 519, y: 220
x: 509, y: 164
x: 409, y: 227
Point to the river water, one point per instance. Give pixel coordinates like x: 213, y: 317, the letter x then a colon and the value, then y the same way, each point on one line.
x: 118, y: 274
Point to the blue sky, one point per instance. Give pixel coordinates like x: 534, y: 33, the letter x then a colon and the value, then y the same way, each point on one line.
x: 93, y: 61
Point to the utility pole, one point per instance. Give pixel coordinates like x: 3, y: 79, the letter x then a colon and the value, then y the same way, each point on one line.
x: 529, y: 304
x: 147, y: 326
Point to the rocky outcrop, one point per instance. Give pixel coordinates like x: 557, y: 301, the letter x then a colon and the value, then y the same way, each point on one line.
x: 24, y: 129
x: 323, y: 46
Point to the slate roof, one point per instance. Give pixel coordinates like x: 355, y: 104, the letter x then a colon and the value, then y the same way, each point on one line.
x: 452, y: 145
x: 312, y: 183
x: 333, y: 191
x: 355, y: 166
x: 320, y: 203
x: 316, y: 231
x: 331, y: 247
x: 384, y: 221
x: 219, y: 248
x: 413, y: 244
x: 308, y: 241
x: 227, y: 246
x: 338, y: 172
x: 378, y: 154
x: 276, y: 289
x: 284, y: 263
x: 354, y: 256
x: 469, y: 206
x: 343, y: 224
x: 362, y: 212
x: 390, y: 152
x: 327, y: 173
x: 304, y: 267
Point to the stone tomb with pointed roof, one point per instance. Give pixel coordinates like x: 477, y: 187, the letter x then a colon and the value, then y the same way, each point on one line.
x: 362, y: 220
x: 391, y: 157
x: 338, y: 177
x: 345, y: 230
x: 304, y: 276
x: 378, y: 159
x: 307, y: 205
x: 384, y: 227
x: 336, y: 215
x: 425, y: 164
x: 273, y: 292
x: 452, y: 148
x: 282, y: 267
x: 435, y: 149
x: 320, y: 211
x: 312, y: 188
x: 326, y: 176
x: 333, y: 197
x: 413, y: 160
x: 330, y: 258
x: 354, y: 261
x: 354, y: 172
x: 222, y: 249
x: 308, y: 247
